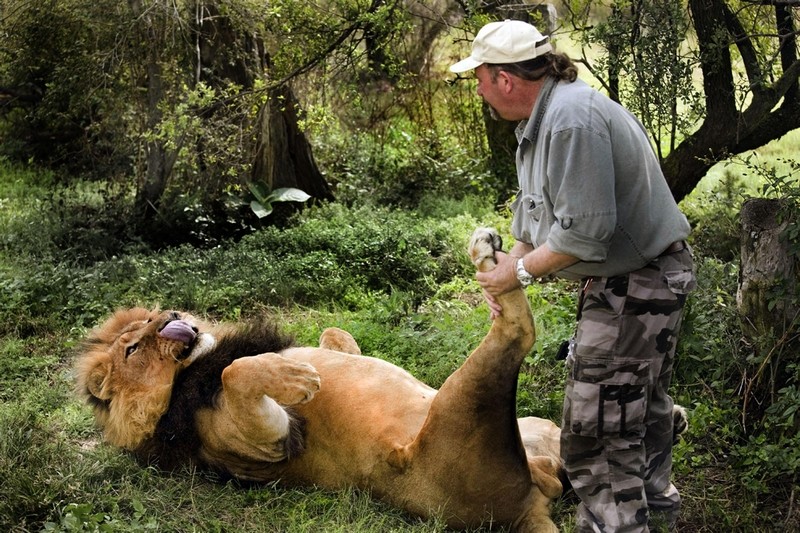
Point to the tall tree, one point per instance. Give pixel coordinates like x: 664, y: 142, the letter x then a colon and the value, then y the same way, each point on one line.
x: 159, y: 160
x: 739, y: 116
x: 231, y: 50
x: 731, y: 114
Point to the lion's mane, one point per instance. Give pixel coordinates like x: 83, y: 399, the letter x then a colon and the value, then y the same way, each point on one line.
x: 176, y: 441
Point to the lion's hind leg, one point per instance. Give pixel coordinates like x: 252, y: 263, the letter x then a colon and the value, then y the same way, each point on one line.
x: 339, y: 340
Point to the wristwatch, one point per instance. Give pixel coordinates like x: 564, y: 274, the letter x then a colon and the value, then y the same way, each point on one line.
x: 525, y: 278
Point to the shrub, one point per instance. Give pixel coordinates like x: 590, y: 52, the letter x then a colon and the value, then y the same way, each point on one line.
x: 714, y: 217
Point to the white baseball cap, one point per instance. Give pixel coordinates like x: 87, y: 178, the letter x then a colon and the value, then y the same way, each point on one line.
x: 509, y: 41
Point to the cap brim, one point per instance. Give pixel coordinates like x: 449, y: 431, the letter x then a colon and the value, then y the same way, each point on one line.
x: 543, y: 49
x: 465, y: 65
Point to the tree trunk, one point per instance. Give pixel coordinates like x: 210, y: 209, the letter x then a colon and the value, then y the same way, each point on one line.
x: 767, y: 276
x: 282, y: 156
x: 500, y: 133
x: 502, y: 153
x: 157, y: 165
x: 767, y: 303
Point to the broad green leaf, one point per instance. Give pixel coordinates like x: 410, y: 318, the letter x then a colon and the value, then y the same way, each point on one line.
x: 288, y: 194
x: 260, y: 210
x: 260, y: 190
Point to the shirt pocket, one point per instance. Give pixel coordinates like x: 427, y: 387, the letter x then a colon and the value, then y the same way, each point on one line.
x: 534, y: 206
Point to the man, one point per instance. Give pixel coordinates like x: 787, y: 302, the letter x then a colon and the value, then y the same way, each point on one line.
x: 593, y: 205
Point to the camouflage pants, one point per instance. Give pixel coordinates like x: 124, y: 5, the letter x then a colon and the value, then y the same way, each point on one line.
x: 616, y: 437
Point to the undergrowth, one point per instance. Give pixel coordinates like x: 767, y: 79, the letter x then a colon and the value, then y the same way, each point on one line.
x: 400, y: 282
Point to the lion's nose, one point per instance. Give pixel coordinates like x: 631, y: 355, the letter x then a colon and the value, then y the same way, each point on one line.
x: 173, y: 315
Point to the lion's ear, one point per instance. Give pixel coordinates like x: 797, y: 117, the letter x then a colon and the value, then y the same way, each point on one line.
x: 94, y: 378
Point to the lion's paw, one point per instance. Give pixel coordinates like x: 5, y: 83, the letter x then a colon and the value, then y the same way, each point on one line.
x: 297, y: 383
x: 482, y: 246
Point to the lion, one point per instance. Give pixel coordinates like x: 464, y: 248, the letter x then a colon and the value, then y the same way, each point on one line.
x: 242, y: 400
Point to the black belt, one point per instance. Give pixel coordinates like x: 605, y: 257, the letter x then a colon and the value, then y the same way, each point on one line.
x: 675, y: 247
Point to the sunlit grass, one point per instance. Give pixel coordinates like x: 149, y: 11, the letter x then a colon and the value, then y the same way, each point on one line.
x: 775, y: 153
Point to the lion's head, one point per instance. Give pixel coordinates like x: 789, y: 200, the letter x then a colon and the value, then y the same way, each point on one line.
x: 128, y: 367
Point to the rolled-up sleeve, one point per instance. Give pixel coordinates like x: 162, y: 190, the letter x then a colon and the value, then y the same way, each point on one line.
x: 581, y: 169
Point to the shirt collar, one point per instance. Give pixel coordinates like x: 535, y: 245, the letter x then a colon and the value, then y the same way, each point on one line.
x: 528, y: 129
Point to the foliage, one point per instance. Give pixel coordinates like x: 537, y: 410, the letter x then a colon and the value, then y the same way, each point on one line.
x: 784, y: 186
x: 402, y: 168
x: 643, y: 64
x: 714, y: 216
x: 72, y: 105
x: 263, y: 197
x: 349, y: 254
x: 751, y: 431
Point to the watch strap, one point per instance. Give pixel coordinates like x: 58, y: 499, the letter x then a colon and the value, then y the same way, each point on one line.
x: 525, y: 278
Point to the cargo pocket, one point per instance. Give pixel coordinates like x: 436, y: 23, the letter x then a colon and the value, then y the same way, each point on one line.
x: 680, y: 281
x: 608, y: 399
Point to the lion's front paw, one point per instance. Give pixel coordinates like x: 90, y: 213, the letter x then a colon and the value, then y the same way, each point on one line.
x: 295, y: 383
x: 482, y: 246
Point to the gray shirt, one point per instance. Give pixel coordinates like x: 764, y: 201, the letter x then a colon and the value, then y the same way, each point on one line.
x: 591, y: 185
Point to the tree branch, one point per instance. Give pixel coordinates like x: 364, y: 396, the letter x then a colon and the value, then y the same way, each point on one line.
x: 314, y: 61
x: 746, y: 49
x: 786, y: 3
x: 715, y: 60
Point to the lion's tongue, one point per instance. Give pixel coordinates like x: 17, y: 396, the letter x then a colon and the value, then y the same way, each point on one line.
x: 178, y: 330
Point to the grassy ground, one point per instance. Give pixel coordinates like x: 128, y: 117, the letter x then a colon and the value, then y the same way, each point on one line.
x: 400, y: 282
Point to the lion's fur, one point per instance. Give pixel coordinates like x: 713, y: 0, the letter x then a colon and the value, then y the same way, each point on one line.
x: 458, y: 452
x: 176, y: 440
x: 137, y: 406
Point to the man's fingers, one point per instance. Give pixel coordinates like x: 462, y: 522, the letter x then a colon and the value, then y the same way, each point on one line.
x: 494, y: 308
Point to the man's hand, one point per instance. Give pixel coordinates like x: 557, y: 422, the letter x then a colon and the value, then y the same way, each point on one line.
x: 503, y: 278
x: 500, y: 280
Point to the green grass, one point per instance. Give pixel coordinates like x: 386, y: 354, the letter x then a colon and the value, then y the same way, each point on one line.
x: 774, y: 153
x: 401, y: 283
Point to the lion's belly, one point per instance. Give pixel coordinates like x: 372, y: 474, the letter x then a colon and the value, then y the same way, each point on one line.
x: 364, y: 409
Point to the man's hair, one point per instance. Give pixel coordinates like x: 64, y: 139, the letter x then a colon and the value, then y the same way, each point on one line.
x: 554, y: 64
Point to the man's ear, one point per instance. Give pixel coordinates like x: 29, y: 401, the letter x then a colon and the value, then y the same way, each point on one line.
x: 505, y: 81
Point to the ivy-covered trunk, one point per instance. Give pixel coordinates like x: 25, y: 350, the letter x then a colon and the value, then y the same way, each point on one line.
x: 281, y: 154
x: 767, y: 300
x: 157, y: 160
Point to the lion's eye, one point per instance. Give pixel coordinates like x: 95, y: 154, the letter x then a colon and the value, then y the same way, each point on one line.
x: 130, y: 349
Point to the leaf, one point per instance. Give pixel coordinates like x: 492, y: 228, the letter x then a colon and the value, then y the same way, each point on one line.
x: 260, y: 190
x: 259, y: 209
x: 288, y: 194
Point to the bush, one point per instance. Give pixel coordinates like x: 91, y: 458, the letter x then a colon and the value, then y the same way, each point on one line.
x: 401, y: 167
x: 345, y: 255
x: 714, y: 217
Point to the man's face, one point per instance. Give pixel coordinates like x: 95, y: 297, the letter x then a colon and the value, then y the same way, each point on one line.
x: 489, y: 90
